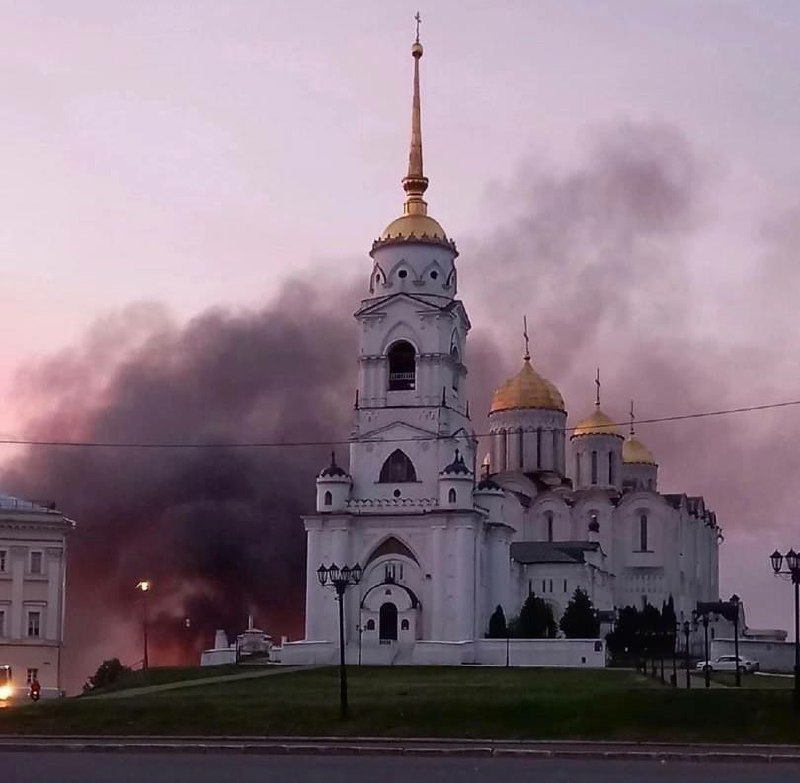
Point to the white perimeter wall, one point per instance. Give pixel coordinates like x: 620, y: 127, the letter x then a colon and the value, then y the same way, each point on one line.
x: 771, y: 656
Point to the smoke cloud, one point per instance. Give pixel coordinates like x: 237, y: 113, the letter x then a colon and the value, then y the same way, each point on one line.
x: 597, y: 257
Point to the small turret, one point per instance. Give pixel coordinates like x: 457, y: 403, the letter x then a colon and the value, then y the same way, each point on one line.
x: 455, y: 484
x: 333, y: 487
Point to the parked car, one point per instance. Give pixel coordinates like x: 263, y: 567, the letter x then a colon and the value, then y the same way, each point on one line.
x: 727, y: 663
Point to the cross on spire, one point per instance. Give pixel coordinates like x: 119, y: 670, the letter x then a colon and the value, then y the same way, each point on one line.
x: 633, y: 418
x: 418, y: 20
x: 525, y: 335
x: 597, y: 383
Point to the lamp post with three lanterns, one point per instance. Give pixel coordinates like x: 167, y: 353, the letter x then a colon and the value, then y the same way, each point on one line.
x: 792, y: 570
x: 340, y: 579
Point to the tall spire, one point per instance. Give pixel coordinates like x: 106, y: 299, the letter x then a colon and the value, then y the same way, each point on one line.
x: 415, y: 183
x: 527, y: 356
x: 633, y: 419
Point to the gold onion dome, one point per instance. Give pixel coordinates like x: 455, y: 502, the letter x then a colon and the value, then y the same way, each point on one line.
x: 527, y: 389
x: 415, y: 225
x: 597, y: 424
x: 634, y: 452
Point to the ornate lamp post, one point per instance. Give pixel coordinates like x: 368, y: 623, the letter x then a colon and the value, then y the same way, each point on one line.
x: 792, y: 570
x: 703, y: 617
x: 734, y: 601
x: 687, y: 629
x: 340, y: 580
x: 144, y: 586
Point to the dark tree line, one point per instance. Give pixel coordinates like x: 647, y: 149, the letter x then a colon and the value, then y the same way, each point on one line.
x: 536, y: 621
x: 643, y: 633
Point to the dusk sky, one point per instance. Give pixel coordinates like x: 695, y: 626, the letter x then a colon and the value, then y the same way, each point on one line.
x: 199, y: 154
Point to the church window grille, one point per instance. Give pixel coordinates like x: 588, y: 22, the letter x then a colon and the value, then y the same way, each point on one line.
x: 402, y: 366
x: 538, y: 447
x: 398, y: 469
x: 643, y: 533
x: 451, y: 496
x: 328, y: 499
x: 594, y: 467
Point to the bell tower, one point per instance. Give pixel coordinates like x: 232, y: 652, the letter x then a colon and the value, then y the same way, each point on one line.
x: 411, y: 406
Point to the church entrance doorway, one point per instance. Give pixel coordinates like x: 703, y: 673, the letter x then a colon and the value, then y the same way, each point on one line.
x: 387, y: 623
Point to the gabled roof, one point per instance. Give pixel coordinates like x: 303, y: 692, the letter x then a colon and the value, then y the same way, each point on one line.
x: 571, y: 552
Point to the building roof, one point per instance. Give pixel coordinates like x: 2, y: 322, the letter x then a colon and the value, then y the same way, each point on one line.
x: 8, y: 502
x: 571, y: 552
x: 527, y: 389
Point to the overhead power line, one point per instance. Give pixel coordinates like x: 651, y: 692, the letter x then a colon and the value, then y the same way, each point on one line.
x: 8, y: 441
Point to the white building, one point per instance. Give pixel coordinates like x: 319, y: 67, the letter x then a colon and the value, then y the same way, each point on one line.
x: 33, y: 540
x: 440, y: 546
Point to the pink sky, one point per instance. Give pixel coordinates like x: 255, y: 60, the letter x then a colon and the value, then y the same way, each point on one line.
x: 197, y: 153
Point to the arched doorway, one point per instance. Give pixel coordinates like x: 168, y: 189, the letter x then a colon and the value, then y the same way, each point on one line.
x: 387, y: 622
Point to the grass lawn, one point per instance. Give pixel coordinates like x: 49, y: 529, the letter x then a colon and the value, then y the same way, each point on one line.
x: 427, y: 701
x: 164, y: 674
x: 759, y: 681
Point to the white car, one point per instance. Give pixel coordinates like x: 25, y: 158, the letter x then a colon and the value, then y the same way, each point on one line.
x: 727, y: 663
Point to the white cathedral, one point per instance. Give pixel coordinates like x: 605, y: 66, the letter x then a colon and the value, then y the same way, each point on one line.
x: 442, y: 541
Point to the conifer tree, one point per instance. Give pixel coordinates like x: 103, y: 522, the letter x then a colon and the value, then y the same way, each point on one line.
x: 580, y: 619
x: 498, y: 628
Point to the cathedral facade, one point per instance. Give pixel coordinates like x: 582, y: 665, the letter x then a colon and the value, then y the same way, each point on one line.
x: 444, y: 538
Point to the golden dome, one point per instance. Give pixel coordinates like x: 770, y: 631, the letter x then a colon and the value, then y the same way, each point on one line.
x: 527, y: 389
x: 635, y: 452
x: 597, y: 424
x: 414, y: 227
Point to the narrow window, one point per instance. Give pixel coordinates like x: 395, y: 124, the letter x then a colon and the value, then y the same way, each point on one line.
x: 32, y: 674
x: 3, y: 557
x: 521, y: 448
x: 578, y: 469
x: 565, y: 585
x: 530, y: 586
x: 451, y: 496
x: 549, y: 518
x: 594, y: 467
x: 538, y: 447
x: 551, y: 585
x: 2, y: 623
x: 456, y: 362
x: 370, y: 625
x: 397, y: 469
x: 611, y: 476
x: 544, y: 585
x: 554, y: 463
x: 402, y: 366
x: 328, y: 499
x: 34, y: 619
x: 404, y: 625
x: 36, y: 562
x: 643, y: 532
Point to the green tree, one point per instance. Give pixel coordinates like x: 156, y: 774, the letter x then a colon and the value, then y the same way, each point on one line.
x: 535, y: 620
x: 498, y: 628
x: 107, y: 673
x: 626, y: 639
x: 580, y: 620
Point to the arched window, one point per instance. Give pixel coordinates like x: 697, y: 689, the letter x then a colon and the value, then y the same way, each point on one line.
x: 398, y: 469
x: 549, y: 520
x: 554, y: 463
x: 404, y: 626
x: 643, y: 533
x: 370, y: 625
x: 328, y: 499
x: 611, y: 466
x: 538, y: 447
x: 521, y: 448
x: 594, y: 467
x: 402, y: 366
x: 456, y: 360
x: 451, y: 496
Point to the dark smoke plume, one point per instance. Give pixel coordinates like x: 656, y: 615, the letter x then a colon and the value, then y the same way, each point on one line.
x: 597, y: 259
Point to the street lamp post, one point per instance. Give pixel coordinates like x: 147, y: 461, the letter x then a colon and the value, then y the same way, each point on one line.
x: 144, y: 586
x: 792, y: 570
x: 340, y: 580
x: 687, y: 629
x: 703, y: 616
x: 734, y: 600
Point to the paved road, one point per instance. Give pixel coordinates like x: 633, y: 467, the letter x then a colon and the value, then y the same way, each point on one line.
x: 123, y: 767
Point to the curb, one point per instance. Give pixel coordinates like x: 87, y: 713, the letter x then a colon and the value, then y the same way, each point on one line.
x: 476, y: 750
